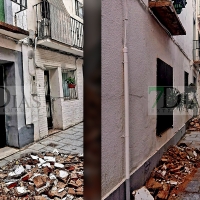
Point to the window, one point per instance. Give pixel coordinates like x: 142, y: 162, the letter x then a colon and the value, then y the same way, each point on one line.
x: 69, y: 84
x: 165, y: 81
x: 79, y: 8
x: 186, y: 75
x: 21, y: 3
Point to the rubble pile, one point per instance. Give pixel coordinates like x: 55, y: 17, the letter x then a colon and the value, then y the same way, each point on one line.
x: 194, y: 124
x: 175, y: 165
x: 41, y: 176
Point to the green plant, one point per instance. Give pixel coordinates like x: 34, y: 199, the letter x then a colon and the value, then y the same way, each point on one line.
x: 70, y: 80
x: 180, y: 100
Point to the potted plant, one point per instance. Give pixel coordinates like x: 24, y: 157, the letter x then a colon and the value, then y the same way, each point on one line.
x: 71, y: 82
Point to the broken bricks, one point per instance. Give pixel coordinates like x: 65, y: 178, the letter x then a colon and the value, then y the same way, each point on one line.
x: 174, y: 166
x: 43, y: 176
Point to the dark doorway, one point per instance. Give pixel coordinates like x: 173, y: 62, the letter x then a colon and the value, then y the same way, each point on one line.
x: 2, y: 110
x: 48, y: 99
x: 165, y: 81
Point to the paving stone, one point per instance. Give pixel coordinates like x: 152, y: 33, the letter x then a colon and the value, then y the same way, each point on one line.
x: 80, y: 138
x: 193, y: 186
x: 72, y: 137
x: 7, y: 151
x: 188, y: 196
x: 36, y: 146
x: 56, y: 138
x: 72, y: 142
x: 190, y: 135
x: 77, y: 150
x: 195, y: 144
x: 66, y: 132
x: 14, y: 156
x: 3, y: 162
x: 67, y: 148
x: 64, y: 151
x: 27, y: 151
x: 67, y: 141
x: 48, y: 149
x: 192, y: 139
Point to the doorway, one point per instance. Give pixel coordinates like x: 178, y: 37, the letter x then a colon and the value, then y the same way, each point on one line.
x: 48, y: 99
x: 2, y: 109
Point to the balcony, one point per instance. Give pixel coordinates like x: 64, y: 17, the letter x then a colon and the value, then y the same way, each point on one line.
x: 167, y: 14
x: 57, y: 29
x: 13, y: 31
x: 196, y: 52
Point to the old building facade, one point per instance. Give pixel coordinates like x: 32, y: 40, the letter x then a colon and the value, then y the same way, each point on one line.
x: 146, y: 44
x: 50, y: 55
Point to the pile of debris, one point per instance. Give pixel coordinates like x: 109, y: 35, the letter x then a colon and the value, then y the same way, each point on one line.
x: 43, y: 176
x: 194, y: 124
x: 172, y: 172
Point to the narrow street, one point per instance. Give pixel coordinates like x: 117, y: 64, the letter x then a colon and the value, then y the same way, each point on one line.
x: 51, y: 168
x: 67, y: 141
x: 177, y: 175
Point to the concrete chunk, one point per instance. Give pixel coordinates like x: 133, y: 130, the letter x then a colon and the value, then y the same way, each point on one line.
x: 142, y: 194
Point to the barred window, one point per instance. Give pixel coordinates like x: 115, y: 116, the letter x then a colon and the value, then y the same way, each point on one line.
x: 69, y: 84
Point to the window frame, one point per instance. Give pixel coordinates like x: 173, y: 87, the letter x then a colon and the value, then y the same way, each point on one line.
x: 78, y: 6
x: 70, y: 91
x: 164, y: 79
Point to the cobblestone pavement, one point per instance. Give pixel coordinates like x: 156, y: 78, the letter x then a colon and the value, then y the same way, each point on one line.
x: 192, y: 190
x: 67, y: 141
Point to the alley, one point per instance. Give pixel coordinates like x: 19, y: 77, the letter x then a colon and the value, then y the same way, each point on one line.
x: 177, y: 174
x: 67, y: 141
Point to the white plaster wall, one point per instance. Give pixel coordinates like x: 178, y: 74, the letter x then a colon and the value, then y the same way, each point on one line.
x: 31, y: 15
x: 9, y: 44
x: 186, y: 18
x: 70, y: 6
x: 72, y: 110
x: 112, y: 151
x: 147, y: 41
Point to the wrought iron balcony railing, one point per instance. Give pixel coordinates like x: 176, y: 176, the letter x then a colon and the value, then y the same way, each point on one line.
x: 58, y: 25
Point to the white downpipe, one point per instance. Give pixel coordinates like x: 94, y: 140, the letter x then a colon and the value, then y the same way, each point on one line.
x: 43, y: 68
x: 126, y: 102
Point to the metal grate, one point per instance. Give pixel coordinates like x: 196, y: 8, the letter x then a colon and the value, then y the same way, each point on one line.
x: 52, y: 145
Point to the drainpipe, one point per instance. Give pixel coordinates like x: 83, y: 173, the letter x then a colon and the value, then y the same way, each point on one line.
x: 126, y: 103
x: 34, y: 57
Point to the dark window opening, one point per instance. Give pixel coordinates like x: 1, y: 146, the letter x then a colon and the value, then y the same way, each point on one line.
x: 45, y: 9
x: 164, y: 80
x: 186, y: 75
x: 194, y: 80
